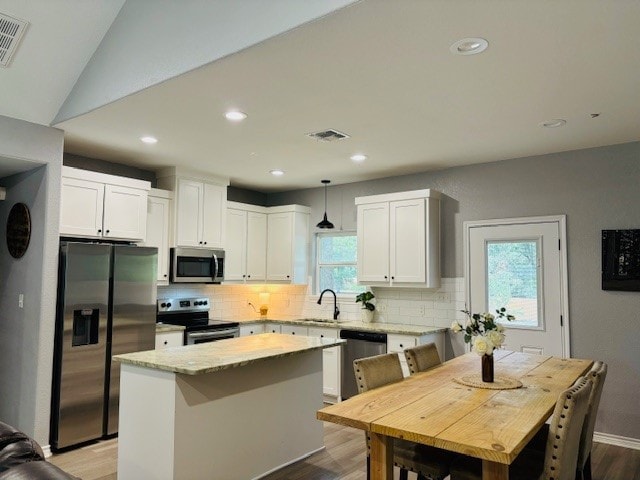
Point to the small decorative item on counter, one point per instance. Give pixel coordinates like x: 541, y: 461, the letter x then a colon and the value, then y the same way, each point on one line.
x: 485, y: 334
x: 264, y: 304
x: 366, y: 314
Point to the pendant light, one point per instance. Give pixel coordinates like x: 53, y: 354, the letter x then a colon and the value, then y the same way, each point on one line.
x: 325, y: 223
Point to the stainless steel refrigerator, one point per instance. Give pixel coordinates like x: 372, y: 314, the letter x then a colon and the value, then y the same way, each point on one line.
x: 106, y: 306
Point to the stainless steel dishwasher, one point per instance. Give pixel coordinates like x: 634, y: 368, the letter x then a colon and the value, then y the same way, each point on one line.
x: 359, y: 345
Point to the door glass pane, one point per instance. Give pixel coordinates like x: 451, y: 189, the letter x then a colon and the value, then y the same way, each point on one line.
x: 513, y: 281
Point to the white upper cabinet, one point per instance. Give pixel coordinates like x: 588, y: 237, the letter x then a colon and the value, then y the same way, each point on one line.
x: 246, y: 250
x: 158, y: 225
x: 287, y: 244
x: 96, y: 205
x: 266, y: 243
x: 200, y: 207
x: 399, y: 239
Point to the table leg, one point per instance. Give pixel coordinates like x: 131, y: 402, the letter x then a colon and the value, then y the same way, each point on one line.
x: 381, y: 457
x: 494, y: 470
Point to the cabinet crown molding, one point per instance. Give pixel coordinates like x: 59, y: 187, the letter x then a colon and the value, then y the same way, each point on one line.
x: 79, y: 174
x: 391, y: 197
x: 191, y: 174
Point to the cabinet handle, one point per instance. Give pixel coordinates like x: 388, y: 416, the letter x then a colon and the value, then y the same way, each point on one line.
x: 243, y: 276
x: 107, y: 232
x: 248, y: 276
x: 288, y: 276
x: 205, y: 243
x: 393, y: 278
x: 385, y: 277
x: 165, y: 275
x: 165, y: 342
x: 401, y: 346
x: 293, y: 333
x: 200, y: 243
x: 99, y: 230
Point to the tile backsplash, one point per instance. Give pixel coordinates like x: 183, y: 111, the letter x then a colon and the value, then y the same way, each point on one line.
x: 433, y: 307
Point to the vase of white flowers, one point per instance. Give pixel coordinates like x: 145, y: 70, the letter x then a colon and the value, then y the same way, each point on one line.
x: 485, y: 333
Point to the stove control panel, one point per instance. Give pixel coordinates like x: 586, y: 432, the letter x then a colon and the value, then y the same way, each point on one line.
x: 183, y: 305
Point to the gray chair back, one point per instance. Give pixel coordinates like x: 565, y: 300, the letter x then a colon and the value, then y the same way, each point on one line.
x: 374, y: 372
x: 422, y: 357
x: 563, y: 441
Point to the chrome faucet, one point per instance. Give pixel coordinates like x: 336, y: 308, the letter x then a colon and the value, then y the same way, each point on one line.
x: 336, y: 312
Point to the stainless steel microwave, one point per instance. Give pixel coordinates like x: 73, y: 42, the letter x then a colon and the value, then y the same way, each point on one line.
x: 196, y: 265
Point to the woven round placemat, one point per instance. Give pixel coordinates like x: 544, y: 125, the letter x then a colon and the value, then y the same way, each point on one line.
x: 500, y: 382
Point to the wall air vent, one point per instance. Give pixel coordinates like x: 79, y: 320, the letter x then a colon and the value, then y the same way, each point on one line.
x: 328, y: 135
x: 11, y: 30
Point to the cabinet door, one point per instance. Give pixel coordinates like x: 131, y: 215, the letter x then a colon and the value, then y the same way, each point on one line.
x: 272, y: 328
x: 214, y: 210
x: 294, y: 330
x: 125, y: 213
x: 256, y: 246
x: 330, y: 361
x: 189, y: 213
x: 279, y: 245
x: 373, y: 242
x: 251, y: 329
x: 81, y: 208
x: 235, y: 252
x: 407, y: 241
x: 168, y: 340
x: 158, y: 233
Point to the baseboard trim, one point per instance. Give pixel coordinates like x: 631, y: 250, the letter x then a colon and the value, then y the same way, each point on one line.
x: 47, y: 451
x: 308, y: 454
x: 617, y: 440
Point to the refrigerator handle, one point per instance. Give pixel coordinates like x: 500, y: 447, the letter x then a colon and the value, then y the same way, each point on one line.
x: 215, y: 263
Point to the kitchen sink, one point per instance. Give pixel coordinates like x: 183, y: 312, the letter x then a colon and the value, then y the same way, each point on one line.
x: 320, y: 320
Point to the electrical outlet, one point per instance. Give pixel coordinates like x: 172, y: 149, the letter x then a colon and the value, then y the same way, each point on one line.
x: 21, y: 300
x: 442, y: 297
x: 382, y: 308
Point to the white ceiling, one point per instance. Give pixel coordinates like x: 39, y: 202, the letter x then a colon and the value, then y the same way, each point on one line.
x: 381, y: 71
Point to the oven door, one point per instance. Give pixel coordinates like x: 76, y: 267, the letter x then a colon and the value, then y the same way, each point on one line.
x: 196, y: 265
x: 204, y: 336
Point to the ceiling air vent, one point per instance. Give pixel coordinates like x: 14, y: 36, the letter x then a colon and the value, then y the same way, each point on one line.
x: 328, y: 135
x: 11, y: 30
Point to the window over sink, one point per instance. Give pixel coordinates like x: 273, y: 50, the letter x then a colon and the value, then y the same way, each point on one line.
x: 336, y: 267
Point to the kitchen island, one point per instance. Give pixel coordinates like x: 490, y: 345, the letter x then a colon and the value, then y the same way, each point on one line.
x: 232, y: 409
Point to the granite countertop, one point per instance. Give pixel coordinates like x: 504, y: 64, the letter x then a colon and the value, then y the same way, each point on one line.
x: 165, y: 327
x: 235, y: 352
x: 398, y: 328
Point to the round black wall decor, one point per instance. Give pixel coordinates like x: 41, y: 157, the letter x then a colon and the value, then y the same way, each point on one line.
x: 18, y: 230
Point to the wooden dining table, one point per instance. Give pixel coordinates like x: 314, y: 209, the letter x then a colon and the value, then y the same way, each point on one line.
x: 432, y: 409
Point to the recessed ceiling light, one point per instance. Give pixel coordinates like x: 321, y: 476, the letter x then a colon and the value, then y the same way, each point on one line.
x: 149, y: 139
x: 358, y: 157
x: 469, y: 46
x: 555, y: 123
x: 276, y: 173
x: 235, y: 115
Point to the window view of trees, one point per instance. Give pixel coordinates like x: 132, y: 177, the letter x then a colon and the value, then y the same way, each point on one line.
x: 336, y: 265
x: 513, y: 279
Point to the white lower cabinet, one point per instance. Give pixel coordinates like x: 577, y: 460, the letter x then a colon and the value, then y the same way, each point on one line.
x: 272, y: 328
x: 294, y: 330
x: 251, y: 329
x: 169, y: 339
x: 398, y: 343
x: 331, y: 359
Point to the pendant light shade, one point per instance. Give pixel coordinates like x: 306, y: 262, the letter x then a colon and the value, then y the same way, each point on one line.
x: 325, y: 223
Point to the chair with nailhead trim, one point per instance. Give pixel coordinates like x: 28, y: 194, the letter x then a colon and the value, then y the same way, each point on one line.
x: 558, y: 461
x: 428, y: 462
x: 422, y: 357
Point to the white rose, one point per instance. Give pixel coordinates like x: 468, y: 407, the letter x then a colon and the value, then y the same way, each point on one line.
x: 482, y: 345
x: 488, y: 316
x: 500, y: 328
x: 456, y: 327
x: 495, y: 337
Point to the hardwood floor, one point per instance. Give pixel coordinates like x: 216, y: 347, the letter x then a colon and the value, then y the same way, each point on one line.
x: 344, y: 459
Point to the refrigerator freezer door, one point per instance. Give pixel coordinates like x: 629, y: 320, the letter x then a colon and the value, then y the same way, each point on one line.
x: 81, y: 342
x: 133, y: 321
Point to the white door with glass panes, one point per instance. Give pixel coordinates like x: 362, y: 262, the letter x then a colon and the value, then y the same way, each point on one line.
x: 520, y: 264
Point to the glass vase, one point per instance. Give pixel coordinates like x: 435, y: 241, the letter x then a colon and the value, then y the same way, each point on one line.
x: 487, y: 368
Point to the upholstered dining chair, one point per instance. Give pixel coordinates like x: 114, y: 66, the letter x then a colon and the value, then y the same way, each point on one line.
x: 422, y: 357
x: 428, y: 462
x: 558, y: 461
x: 597, y: 375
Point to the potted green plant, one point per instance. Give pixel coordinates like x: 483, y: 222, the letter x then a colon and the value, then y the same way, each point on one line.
x: 367, y: 307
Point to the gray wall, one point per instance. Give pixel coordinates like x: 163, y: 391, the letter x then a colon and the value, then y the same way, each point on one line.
x: 246, y: 196
x: 596, y: 188
x: 110, y: 168
x: 26, y: 334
